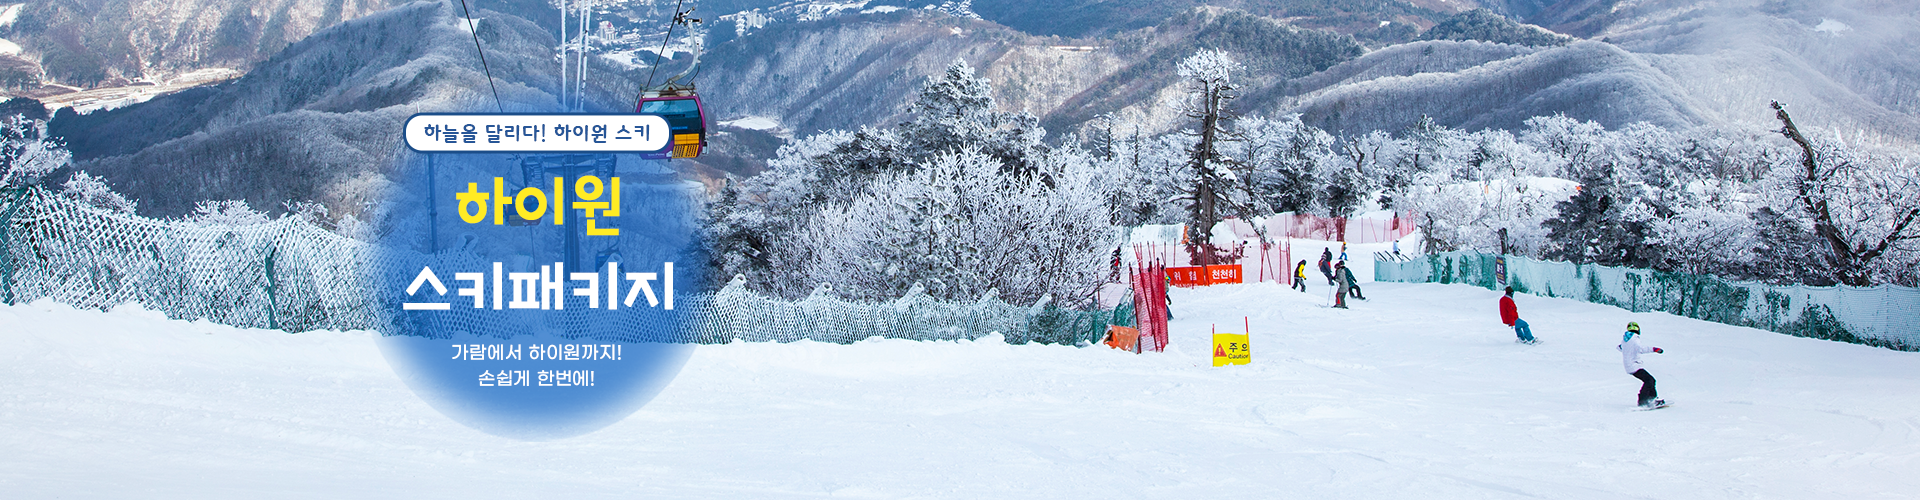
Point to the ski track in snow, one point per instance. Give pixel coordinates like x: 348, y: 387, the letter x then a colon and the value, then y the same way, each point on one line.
x: 1417, y: 393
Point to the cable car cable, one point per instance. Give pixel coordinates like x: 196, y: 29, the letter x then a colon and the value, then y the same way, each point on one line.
x: 677, y: 16
x: 483, y: 56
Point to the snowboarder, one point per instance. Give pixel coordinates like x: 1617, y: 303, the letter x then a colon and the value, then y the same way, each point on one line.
x: 1340, y: 293
x: 1300, y: 276
x: 1346, y: 275
x: 1630, y: 351
x: 1326, y: 264
x: 1510, y: 314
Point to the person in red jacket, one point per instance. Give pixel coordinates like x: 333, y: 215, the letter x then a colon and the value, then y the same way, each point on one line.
x: 1510, y: 315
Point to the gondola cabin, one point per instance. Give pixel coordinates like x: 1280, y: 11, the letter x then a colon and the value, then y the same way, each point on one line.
x: 686, y: 119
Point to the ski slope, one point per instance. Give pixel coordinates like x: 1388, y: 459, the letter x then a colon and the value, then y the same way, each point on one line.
x: 1417, y: 393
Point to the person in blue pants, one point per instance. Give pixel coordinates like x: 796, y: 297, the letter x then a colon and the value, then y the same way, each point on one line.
x: 1510, y: 314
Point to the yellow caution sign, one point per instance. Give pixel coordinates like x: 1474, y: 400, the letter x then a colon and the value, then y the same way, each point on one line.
x: 1232, y: 348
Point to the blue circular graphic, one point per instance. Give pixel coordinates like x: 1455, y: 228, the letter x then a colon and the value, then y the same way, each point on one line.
x: 526, y: 323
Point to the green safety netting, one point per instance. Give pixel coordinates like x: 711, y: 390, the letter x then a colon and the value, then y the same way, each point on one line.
x: 285, y: 274
x: 291, y: 275
x: 1885, y: 315
x: 739, y: 313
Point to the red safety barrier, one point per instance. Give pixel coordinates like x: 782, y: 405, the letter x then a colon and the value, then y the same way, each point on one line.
x: 1223, y: 274
x: 1187, y: 277
x: 1192, y: 276
x: 1309, y: 227
x: 1150, y: 298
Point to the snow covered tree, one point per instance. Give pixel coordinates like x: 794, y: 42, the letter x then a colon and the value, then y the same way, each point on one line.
x: 1374, y: 155
x: 1710, y: 232
x: 961, y: 199
x: 1282, y: 165
x: 226, y: 213
x: 955, y: 112
x: 1419, y: 150
x: 1608, y: 223
x: 27, y: 153
x: 1153, y: 169
x: 962, y: 226
x: 1347, y: 184
x: 1574, y: 146
x: 1786, y: 251
x: 1862, y: 206
x: 93, y: 191
x: 1213, y: 182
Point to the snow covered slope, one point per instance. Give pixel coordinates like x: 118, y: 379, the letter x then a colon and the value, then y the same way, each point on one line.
x: 1418, y: 393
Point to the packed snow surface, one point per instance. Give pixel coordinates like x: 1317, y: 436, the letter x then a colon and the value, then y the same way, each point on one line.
x: 1419, y: 392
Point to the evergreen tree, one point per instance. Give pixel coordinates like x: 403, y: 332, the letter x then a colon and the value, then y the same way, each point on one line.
x: 1602, y: 225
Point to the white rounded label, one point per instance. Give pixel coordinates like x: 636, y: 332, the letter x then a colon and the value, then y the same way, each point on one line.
x: 536, y: 132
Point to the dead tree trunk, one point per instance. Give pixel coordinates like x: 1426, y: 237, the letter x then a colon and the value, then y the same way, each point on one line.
x: 1849, y: 261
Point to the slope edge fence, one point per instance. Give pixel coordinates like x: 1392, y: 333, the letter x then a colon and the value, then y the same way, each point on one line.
x: 291, y: 275
x: 1885, y: 316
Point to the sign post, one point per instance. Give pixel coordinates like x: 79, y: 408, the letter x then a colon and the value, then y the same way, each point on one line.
x: 1232, y: 348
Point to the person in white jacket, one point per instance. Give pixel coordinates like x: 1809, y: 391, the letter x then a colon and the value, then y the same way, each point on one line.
x: 1630, y: 351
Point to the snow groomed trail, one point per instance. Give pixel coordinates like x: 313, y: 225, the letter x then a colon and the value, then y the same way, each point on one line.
x: 1417, y: 393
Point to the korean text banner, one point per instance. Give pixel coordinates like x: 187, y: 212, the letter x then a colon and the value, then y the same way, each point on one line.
x: 536, y: 132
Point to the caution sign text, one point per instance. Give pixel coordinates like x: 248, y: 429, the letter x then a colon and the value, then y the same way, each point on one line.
x: 1231, y: 349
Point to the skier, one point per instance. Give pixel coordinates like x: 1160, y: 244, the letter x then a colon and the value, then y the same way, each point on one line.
x: 1396, y: 248
x: 1326, y: 264
x: 1630, y: 351
x: 1343, y: 251
x: 1510, y: 315
x: 1300, y: 276
x: 1340, y: 293
x: 1346, y: 275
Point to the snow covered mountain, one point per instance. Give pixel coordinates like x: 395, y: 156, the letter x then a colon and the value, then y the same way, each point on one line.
x: 1675, y: 64
x: 1842, y: 64
x: 318, y: 120
x: 809, y: 66
x: 90, y: 43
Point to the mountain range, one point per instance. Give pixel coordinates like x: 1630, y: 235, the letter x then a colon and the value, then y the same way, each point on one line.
x: 313, y: 115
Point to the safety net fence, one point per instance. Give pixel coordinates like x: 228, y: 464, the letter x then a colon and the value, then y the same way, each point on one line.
x: 739, y: 313
x: 1883, y: 316
x: 292, y: 275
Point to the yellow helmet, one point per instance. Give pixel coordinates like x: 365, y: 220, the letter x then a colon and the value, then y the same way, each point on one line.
x: 1633, y: 327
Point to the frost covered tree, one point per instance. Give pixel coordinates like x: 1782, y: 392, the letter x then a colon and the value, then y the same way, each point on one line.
x: 1572, y: 145
x: 1154, y: 170
x: 226, y: 213
x: 1861, y: 205
x: 1372, y: 155
x: 1212, y: 180
x: 1608, y: 223
x: 962, y: 226
x: 955, y: 112
x: 27, y: 153
x: 1710, y: 231
x: 961, y: 198
x: 94, y: 192
x: 1290, y: 166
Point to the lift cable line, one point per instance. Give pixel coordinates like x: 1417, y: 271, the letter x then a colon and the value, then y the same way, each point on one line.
x: 676, y: 102
x: 663, y: 43
x: 679, y: 19
x: 483, y: 56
